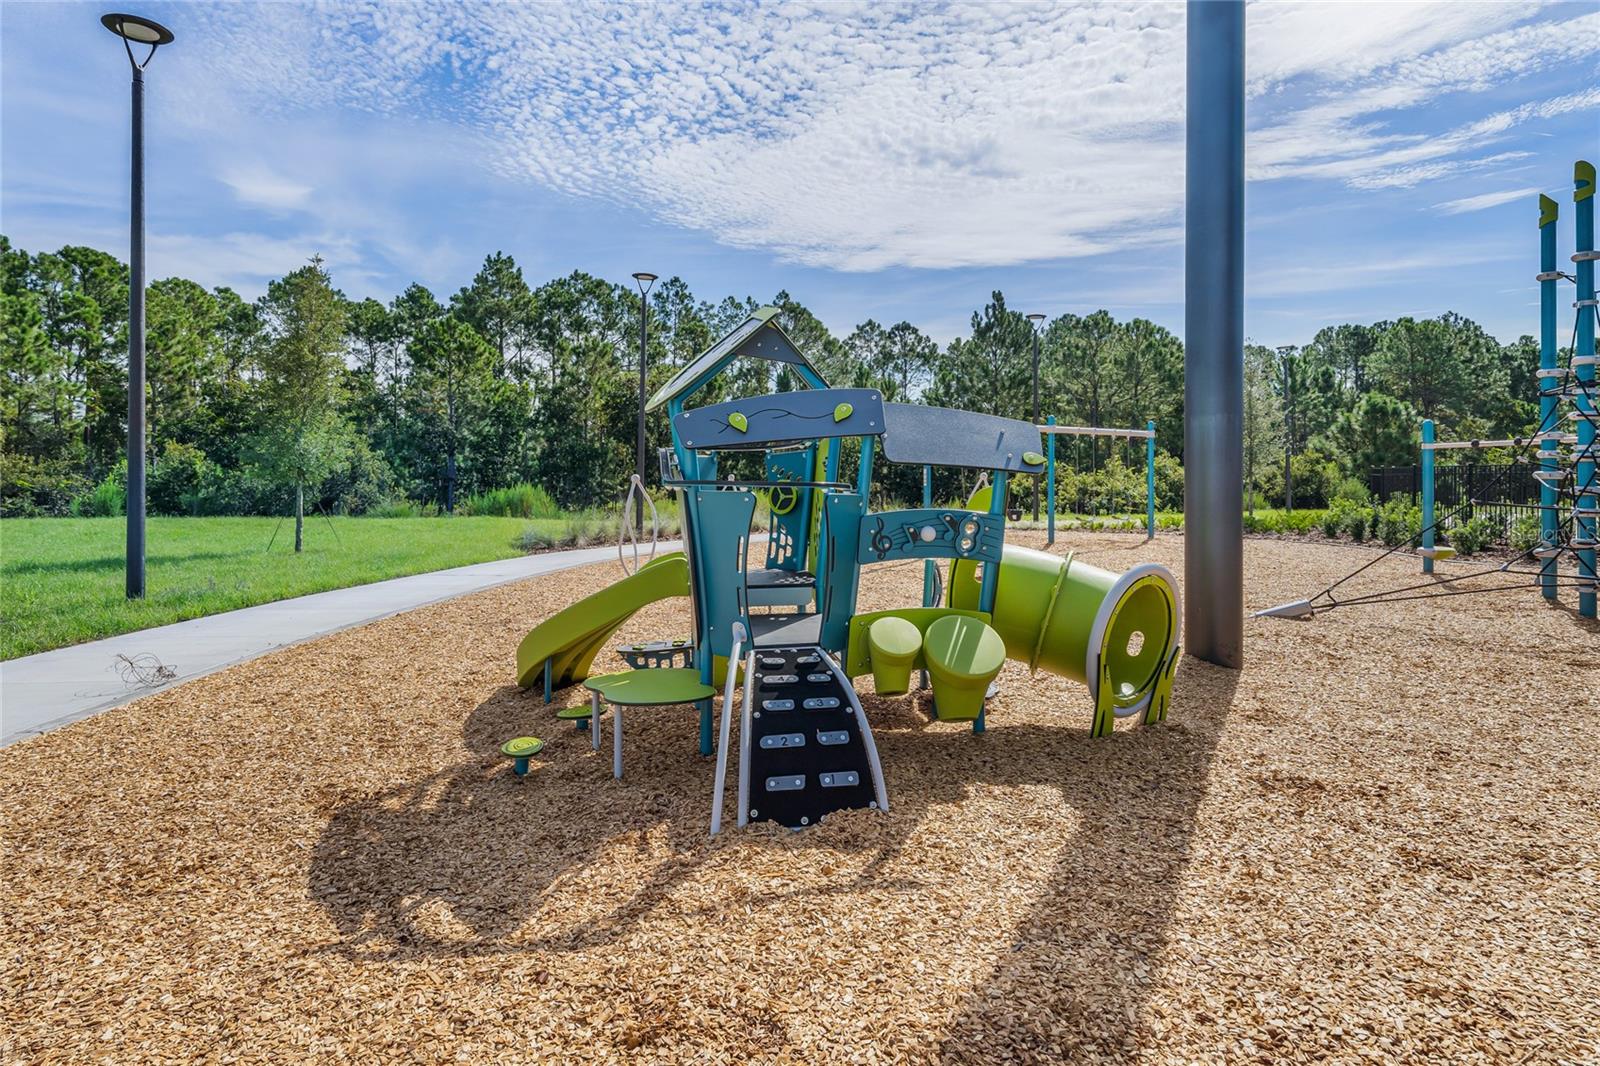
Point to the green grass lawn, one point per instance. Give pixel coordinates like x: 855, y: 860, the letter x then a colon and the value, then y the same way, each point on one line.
x: 61, y: 579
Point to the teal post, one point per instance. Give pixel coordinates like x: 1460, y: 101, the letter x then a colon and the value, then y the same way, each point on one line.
x: 1586, y: 507
x: 1427, y: 494
x: 927, y: 564
x: 1050, y: 481
x: 1549, y: 394
x: 864, y: 475
x: 1150, y: 480
x: 991, y: 571
x: 548, y: 686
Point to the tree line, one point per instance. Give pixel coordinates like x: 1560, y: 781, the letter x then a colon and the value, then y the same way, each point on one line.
x: 306, y: 399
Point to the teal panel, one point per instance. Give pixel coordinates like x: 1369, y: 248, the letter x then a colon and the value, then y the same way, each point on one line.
x: 782, y: 418
x: 931, y: 533
x: 719, y: 537
x: 841, y: 532
x: 787, y: 546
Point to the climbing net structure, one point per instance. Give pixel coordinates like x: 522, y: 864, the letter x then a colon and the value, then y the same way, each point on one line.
x: 1563, y: 447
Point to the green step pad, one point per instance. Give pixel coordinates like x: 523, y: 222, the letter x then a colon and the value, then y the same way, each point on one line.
x: 519, y: 750
x: 963, y: 656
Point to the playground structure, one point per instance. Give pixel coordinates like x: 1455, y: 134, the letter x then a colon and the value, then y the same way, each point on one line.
x: 1148, y: 434
x: 790, y: 627
x: 1564, y: 446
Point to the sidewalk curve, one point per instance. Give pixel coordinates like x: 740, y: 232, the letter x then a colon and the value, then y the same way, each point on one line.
x: 48, y: 690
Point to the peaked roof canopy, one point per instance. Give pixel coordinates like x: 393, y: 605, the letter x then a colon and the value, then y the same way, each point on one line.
x: 759, y: 336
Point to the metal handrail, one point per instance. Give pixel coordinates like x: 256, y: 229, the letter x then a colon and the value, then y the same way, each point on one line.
x: 739, y: 637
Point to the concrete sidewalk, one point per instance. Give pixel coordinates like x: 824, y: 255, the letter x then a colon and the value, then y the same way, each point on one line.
x: 42, y: 692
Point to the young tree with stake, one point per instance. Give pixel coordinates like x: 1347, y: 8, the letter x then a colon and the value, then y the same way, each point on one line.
x: 302, y: 364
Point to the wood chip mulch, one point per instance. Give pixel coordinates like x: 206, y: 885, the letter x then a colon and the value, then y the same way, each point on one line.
x: 1379, y: 842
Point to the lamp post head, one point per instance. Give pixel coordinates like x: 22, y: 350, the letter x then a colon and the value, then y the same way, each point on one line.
x: 135, y: 29
x: 1036, y: 318
x: 645, y: 280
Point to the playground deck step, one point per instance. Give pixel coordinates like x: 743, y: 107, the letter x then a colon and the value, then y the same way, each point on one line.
x: 785, y: 630
x: 807, y: 749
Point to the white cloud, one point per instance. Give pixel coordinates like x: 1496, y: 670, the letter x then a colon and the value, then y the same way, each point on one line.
x: 1484, y: 200
x: 862, y: 136
x: 263, y: 188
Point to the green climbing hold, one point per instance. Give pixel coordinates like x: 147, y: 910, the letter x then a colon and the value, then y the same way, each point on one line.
x: 521, y: 747
x: 1033, y: 458
x: 842, y: 412
x: 738, y: 421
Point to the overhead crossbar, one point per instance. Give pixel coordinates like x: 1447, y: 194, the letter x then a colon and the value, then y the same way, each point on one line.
x: 1097, y: 431
x: 1450, y: 445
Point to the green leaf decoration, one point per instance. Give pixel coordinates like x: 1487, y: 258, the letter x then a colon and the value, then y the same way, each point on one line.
x: 842, y: 412
x: 1033, y: 458
x: 738, y: 421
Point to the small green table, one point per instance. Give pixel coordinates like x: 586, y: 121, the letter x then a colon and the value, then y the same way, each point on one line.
x: 639, y: 688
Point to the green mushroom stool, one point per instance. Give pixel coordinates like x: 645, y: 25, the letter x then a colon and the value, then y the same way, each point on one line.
x: 963, y: 656
x: 519, y: 750
x: 894, y: 644
x: 578, y: 716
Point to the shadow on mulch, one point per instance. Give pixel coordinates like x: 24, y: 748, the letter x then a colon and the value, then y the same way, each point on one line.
x: 492, y: 848
x: 1084, y: 960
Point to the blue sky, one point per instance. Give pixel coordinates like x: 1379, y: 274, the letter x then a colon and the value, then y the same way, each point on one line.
x: 875, y: 160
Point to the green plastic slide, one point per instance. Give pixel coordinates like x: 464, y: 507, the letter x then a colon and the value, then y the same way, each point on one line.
x: 570, y: 639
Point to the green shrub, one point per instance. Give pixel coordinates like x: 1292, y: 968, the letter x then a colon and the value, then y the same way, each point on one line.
x: 240, y: 492
x: 1333, y: 519
x: 175, y: 479
x: 1355, y: 523
x: 1524, y: 535
x: 537, y: 538
x: 1397, y: 521
x: 1316, y: 476
x: 363, y: 482
x: 107, y: 499
x: 397, y: 507
x: 516, y: 501
x: 31, y: 487
x: 1352, y: 490
x: 1473, y: 535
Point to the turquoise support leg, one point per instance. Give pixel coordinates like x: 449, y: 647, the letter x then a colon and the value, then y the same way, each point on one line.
x: 1586, y: 506
x: 1549, y: 399
x: 1150, y: 481
x: 928, y: 565
x: 1050, y: 481
x: 1427, y: 493
x: 548, y: 690
x: 707, y: 660
x: 978, y: 724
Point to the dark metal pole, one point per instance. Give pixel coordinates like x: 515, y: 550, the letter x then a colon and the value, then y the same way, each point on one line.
x: 644, y: 334
x: 135, y: 503
x: 1213, y: 453
x: 1036, y: 413
x: 1288, y: 439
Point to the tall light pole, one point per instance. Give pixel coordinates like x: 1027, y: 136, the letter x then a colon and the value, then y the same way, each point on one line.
x: 644, y: 280
x: 1288, y: 431
x: 1036, y: 318
x: 135, y: 30
x: 1213, y: 336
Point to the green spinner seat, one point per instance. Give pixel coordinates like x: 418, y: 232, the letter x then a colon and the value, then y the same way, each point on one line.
x: 963, y: 655
x: 894, y: 644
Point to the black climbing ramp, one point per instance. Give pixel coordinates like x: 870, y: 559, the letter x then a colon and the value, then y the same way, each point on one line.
x: 807, y: 748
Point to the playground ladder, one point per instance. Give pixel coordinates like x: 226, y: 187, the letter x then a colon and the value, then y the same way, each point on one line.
x: 805, y: 748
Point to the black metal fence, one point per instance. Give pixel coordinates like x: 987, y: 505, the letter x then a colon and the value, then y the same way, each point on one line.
x: 1503, y: 491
